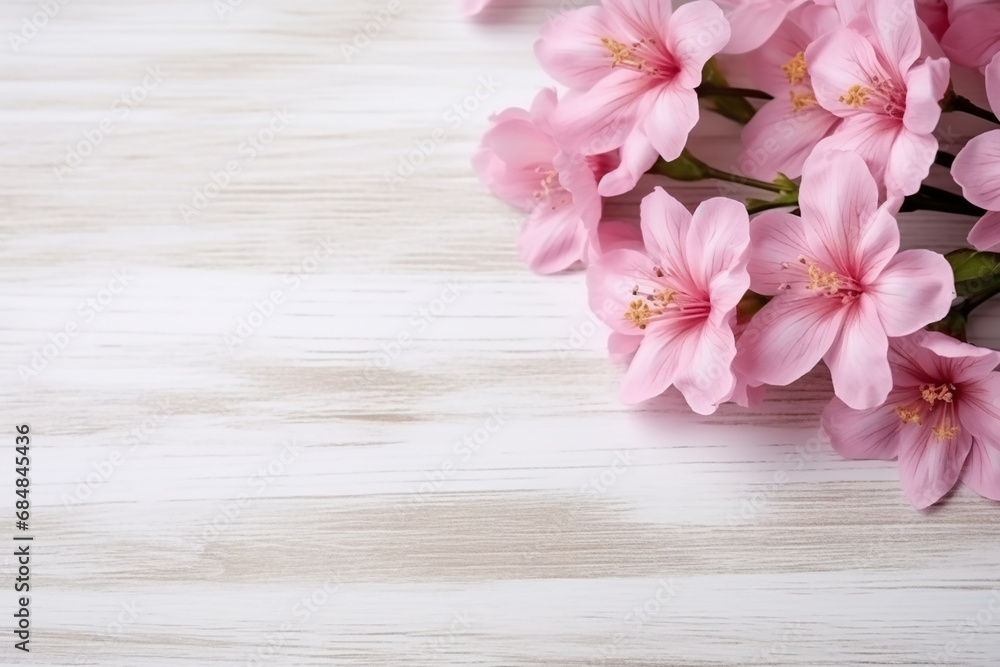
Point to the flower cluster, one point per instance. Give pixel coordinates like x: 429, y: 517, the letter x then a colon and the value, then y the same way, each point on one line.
x: 839, y: 107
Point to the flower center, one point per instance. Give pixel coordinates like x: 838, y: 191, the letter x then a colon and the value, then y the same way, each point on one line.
x: 802, y: 101
x: 827, y: 283
x: 945, y: 420
x: 656, y: 300
x: 856, y: 96
x: 550, y: 191
x: 640, y: 56
x: 795, y: 69
x: 880, y: 95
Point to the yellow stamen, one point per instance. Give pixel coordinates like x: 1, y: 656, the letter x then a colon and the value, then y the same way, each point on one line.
x: 943, y: 432
x: 909, y: 416
x: 795, y: 69
x: 621, y: 54
x: 856, y: 96
x: 932, y: 393
x: 821, y: 280
x: 802, y: 101
x: 638, y: 313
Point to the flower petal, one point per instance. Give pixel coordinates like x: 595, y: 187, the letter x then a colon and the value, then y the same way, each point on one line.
x: 777, y: 240
x: 697, y: 31
x: 600, y: 119
x: 985, y: 236
x: 977, y: 170
x: 665, y: 227
x: 910, y: 160
x: 928, y: 467
x: 570, y: 48
x: 552, y: 240
x: 637, y: 156
x: 974, y: 36
x: 673, y: 114
x: 706, y: 378
x: 657, y: 362
x: 858, y: 360
x: 717, y: 250
x: 787, y: 338
x: 925, y: 86
x: 753, y: 23
x: 862, y: 434
x: 779, y: 138
x: 897, y: 31
x: 982, y: 469
x: 916, y: 288
x: 838, y: 61
x: 840, y: 197
x: 609, y: 287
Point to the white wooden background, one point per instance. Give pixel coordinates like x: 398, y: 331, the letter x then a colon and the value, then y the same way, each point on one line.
x: 197, y: 503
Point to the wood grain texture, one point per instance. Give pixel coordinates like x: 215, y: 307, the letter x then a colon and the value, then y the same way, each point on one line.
x: 314, y: 496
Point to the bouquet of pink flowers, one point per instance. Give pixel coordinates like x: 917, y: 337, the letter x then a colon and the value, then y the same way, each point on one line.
x: 839, y: 108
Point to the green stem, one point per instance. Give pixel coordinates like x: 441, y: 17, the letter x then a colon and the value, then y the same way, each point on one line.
x: 964, y: 104
x: 706, y: 90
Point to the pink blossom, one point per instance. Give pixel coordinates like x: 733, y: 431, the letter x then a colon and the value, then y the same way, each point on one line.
x: 783, y: 132
x: 840, y: 288
x: 521, y: 163
x: 472, y: 7
x: 674, y: 304
x: 868, y: 74
x: 941, y: 419
x: 754, y: 21
x: 977, y: 170
x: 632, y: 67
x: 973, y: 37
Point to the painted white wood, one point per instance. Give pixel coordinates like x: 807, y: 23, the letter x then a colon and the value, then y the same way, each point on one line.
x: 188, y: 494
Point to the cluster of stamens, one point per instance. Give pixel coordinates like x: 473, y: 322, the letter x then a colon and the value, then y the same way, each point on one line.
x: 802, y: 101
x: 930, y: 395
x: 795, y: 69
x: 880, y: 95
x: 623, y: 55
x: 826, y: 283
x: 550, y: 191
x: 649, y: 305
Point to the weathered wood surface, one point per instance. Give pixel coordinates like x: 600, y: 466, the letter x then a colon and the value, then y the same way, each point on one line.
x: 475, y: 496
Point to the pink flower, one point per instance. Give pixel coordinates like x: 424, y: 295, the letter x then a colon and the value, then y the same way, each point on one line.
x: 674, y: 305
x: 867, y: 74
x: 754, y: 21
x: 840, y: 290
x: 783, y: 132
x: 472, y: 7
x: 520, y: 162
x: 977, y: 170
x: 941, y: 419
x: 632, y: 67
x: 974, y: 35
